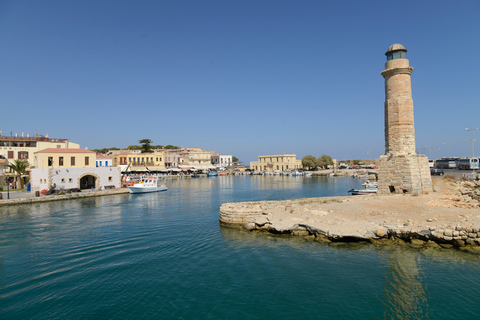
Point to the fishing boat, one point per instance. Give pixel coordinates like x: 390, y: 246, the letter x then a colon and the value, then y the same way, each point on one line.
x: 148, y: 184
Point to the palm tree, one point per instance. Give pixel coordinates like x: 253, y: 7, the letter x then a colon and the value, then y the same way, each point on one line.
x: 20, y: 167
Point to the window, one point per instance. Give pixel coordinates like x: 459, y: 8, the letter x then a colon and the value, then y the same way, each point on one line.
x: 70, y: 180
x: 50, y: 161
x: 10, y: 155
x: 60, y: 161
x: 110, y: 179
x: 22, y: 155
x: 63, y: 180
x: 58, y: 146
x: 72, y: 161
x: 87, y: 159
x: 130, y: 160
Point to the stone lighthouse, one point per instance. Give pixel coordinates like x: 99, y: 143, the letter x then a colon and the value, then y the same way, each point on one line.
x: 401, y: 169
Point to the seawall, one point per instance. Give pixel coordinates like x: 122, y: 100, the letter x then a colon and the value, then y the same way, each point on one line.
x: 448, y: 217
x: 43, y: 198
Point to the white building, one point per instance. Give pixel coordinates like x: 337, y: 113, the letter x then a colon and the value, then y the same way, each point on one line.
x: 221, y: 160
x: 103, y: 161
x: 82, y: 178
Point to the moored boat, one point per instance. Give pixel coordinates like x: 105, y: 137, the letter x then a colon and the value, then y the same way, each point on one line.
x: 362, y: 191
x: 148, y: 184
x: 369, y: 188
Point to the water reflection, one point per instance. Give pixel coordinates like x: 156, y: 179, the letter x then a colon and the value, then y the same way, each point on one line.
x: 405, y: 296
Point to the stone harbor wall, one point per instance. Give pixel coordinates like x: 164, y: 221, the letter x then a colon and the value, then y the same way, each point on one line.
x: 435, y: 219
x: 404, y: 174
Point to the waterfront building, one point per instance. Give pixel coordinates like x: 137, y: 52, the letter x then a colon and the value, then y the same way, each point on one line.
x: 198, y: 160
x: 277, y: 162
x: 144, y: 162
x: 402, y: 170
x: 221, y: 160
x: 172, y: 159
x: 69, y: 168
x: 22, y: 148
x: 103, y: 161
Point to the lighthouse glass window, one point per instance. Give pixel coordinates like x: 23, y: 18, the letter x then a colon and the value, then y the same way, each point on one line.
x: 396, y: 55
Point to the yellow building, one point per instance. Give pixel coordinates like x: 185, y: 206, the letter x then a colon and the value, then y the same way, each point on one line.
x: 277, y: 162
x: 150, y: 161
x: 64, y: 158
x: 71, y: 168
x: 23, y: 148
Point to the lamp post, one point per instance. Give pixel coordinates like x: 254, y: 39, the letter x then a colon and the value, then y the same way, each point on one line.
x: 473, y: 154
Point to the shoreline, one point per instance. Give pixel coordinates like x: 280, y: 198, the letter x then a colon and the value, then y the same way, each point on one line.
x: 448, y: 217
x: 44, y: 198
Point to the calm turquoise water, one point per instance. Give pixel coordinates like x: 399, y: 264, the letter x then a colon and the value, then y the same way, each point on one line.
x: 164, y: 256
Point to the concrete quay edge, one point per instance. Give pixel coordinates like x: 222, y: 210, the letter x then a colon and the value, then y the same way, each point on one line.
x: 43, y: 198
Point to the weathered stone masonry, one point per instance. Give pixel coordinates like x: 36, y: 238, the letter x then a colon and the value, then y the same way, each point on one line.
x: 401, y: 169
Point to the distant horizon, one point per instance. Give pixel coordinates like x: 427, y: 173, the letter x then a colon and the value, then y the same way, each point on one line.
x: 245, y: 78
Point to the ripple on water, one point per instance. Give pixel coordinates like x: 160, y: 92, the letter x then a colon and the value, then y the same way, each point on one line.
x: 165, y: 256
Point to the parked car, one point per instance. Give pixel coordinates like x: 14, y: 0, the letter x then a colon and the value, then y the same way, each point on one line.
x: 437, y: 172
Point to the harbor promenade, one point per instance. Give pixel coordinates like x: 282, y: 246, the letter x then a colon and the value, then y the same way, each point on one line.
x: 23, y: 197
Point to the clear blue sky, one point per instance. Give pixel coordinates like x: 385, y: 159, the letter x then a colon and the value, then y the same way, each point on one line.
x: 245, y: 78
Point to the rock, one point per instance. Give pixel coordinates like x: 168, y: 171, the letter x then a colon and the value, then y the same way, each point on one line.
x: 417, y: 242
x: 459, y: 243
x: 470, y: 241
x: 447, y: 238
x: 469, y: 230
x: 261, y: 221
x: 431, y: 243
x: 448, y: 233
x: 250, y: 226
x: 380, y: 233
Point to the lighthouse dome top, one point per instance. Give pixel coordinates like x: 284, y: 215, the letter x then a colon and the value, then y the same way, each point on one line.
x: 396, y: 51
x: 395, y: 47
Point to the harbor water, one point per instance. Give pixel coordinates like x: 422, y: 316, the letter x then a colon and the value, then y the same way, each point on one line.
x: 165, y: 256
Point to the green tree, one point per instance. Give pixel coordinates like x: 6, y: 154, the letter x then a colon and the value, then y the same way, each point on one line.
x: 171, y: 147
x: 104, y: 150
x: 234, y: 159
x: 146, y: 145
x: 324, y: 161
x: 134, y: 147
x: 309, y: 162
x: 20, y: 167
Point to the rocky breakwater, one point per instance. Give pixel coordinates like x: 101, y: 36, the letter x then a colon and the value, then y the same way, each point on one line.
x: 449, y: 217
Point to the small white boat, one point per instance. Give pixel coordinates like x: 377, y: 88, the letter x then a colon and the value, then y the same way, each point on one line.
x: 149, y: 184
x: 370, y: 185
x: 354, y: 192
x: 369, y: 188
